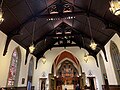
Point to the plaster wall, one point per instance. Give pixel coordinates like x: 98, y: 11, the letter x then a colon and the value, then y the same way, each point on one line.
x: 109, y: 65
x: 89, y: 67
x: 5, y: 61
x: 50, y: 55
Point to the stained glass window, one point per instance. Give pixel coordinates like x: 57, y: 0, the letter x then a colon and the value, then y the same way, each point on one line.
x: 13, y: 68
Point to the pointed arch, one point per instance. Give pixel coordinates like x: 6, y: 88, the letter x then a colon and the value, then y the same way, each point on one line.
x: 62, y: 57
x: 115, y: 55
x: 31, y: 69
x: 14, y: 68
x: 30, y: 73
x: 103, y: 70
x: 102, y: 65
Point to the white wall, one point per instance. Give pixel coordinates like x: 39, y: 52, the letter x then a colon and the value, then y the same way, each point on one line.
x: 5, y: 61
x: 108, y: 65
x: 76, y: 51
x: 50, y: 56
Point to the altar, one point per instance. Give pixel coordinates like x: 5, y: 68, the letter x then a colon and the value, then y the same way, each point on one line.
x: 69, y: 87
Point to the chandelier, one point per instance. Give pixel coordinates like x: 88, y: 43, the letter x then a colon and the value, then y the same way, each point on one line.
x: 115, y: 7
x: 32, y: 47
x: 93, y: 45
x: 1, y: 13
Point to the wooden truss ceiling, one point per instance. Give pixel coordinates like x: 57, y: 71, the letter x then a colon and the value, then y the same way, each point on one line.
x: 20, y: 15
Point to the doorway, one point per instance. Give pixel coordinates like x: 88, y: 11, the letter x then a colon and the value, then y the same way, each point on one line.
x: 42, y: 83
x: 92, y: 83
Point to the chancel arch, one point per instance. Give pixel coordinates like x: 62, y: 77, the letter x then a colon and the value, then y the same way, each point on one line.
x: 66, y: 70
x: 14, y: 68
x: 115, y: 55
x: 71, y: 61
x: 62, y: 56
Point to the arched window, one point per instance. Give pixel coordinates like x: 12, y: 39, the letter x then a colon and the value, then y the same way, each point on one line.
x: 30, y: 73
x: 103, y: 70
x: 14, y: 68
x: 115, y: 55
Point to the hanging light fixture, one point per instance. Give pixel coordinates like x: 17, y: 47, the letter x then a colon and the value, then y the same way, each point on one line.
x: 1, y: 13
x: 32, y: 47
x: 43, y: 59
x: 92, y: 45
x: 115, y: 7
x: 85, y: 57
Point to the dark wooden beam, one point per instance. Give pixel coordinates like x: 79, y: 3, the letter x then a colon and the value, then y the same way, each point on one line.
x: 30, y: 19
x: 26, y: 57
x: 103, y: 49
x: 9, y: 38
x: 6, y: 45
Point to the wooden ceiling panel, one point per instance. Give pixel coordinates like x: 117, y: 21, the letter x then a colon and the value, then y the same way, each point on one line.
x: 99, y: 7
x: 12, y: 3
x: 49, y: 2
x: 9, y: 23
x: 21, y: 12
x: 19, y: 16
x: 37, y: 5
x: 82, y: 3
x: 41, y: 32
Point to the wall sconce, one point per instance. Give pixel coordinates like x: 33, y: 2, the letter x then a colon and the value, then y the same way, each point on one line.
x: 115, y: 7
x: 85, y: 57
x: 43, y: 59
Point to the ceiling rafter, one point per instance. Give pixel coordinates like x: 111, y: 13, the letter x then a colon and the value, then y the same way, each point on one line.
x: 49, y: 34
x: 17, y: 30
x: 92, y: 28
x: 74, y: 13
x: 26, y: 1
x: 92, y: 14
x: 105, y: 21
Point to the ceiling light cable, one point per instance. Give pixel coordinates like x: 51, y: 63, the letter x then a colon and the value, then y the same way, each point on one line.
x: 89, y: 27
x: 92, y: 45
